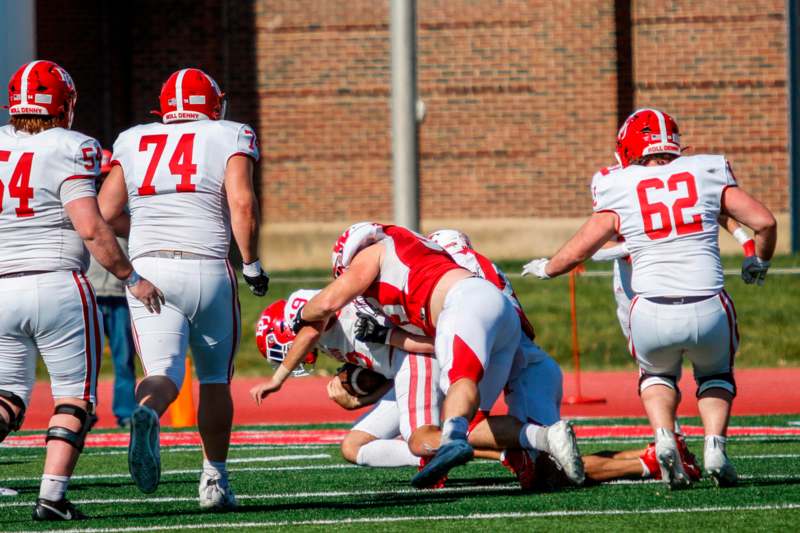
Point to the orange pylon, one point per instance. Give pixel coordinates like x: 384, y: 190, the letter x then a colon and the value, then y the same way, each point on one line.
x: 182, y: 412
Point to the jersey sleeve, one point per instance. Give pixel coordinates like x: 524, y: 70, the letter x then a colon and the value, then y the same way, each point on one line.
x: 246, y: 143
x: 730, y: 178
x: 603, y: 195
x: 86, y: 160
x: 75, y: 189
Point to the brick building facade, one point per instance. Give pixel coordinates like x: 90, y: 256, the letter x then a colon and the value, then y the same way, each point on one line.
x: 523, y: 99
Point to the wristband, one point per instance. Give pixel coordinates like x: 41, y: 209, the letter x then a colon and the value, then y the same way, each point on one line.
x: 741, y: 236
x: 749, y: 248
x: 281, y: 373
x: 253, y: 269
x: 133, y: 279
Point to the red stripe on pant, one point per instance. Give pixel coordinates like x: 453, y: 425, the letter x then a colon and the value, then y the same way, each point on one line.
x: 96, y: 323
x: 731, y: 327
x: 631, y: 347
x: 428, y: 392
x: 465, y: 363
x: 87, y: 339
x: 735, y: 316
x: 412, y: 392
x: 234, y: 310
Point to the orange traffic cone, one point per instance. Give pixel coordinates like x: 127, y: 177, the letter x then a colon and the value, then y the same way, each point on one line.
x: 182, y: 411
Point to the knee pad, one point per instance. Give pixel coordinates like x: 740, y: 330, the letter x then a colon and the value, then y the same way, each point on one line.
x: 648, y: 380
x: 12, y: 422
x: 74, y: 438
x: 723, y: 381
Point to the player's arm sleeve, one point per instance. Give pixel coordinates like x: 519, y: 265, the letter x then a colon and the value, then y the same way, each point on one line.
x: 246, y: 143
x: 73, y: 189
x: 86, y: 160
x: 730, y: 178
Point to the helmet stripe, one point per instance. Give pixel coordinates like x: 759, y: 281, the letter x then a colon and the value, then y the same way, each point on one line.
x: 179, y: 90
x: 24, y: 87
x: 662, y: 125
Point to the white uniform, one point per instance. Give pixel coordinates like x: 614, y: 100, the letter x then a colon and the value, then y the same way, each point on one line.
x: 54, y: 312
x: 412, y: 402
x: 535, y: 384
x: 179, y: 240
x: 668, y: 216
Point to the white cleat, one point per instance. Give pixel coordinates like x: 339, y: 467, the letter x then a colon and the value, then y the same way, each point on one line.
x: 717, y: 464
x: 216, y: 494
x: 144, y: 452
x: 563, y: 447
x: 669, y: 460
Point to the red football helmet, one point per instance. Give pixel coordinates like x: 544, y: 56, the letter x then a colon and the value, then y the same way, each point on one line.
x: 274, y: 337
x: 42, y: 88
x: 191, y: 94
x: 647, y: 132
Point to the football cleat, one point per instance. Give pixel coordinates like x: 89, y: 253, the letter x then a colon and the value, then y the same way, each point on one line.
x: 144, y: 453
x: 650, y: 462
x: 669, y: 460
x: 216, y: 493
x: 523, y: 464
x: 717, y: 464
x: 48, y: 510
x: 688, y: 459
x: 440, y: 484
x: 454, y: 453
x: 563, y: 447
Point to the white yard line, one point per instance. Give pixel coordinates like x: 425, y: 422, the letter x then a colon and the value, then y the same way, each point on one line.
x: 475, y: 516
x: 286, y: 496
x: 277, y: 458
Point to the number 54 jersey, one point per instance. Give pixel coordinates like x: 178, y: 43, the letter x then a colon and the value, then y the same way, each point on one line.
x: 668, y: 216
x: 174, y: 174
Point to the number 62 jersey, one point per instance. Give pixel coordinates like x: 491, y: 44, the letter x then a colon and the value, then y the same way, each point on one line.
x: 174, y: 174
x: 668, y: 216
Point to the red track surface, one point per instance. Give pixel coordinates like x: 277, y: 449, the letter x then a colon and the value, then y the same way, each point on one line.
x: 304, y: 400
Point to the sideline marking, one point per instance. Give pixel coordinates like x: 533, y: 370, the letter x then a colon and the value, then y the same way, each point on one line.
x: 475, y: 516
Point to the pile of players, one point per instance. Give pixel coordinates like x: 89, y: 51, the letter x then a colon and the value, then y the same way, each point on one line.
x: 432, y: 314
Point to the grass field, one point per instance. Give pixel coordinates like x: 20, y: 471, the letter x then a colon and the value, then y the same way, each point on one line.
x: 310, y: 488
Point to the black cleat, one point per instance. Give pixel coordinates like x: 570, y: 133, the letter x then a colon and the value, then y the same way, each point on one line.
x: 53, y: 511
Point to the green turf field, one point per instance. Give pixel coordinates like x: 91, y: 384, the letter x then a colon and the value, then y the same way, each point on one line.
x: 311, y: 488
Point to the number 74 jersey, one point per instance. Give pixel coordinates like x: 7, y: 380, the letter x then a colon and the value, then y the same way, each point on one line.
x: 174, y: 174
x: 668, y: 216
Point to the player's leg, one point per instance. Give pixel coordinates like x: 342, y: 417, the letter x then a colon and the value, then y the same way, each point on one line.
x: 712, y: 359
x: 161, y: 340
x: 373, y: 439
x: 602, y: 467
x: 477, y: 335
x: 215, y: 333
x: 658, y: 334
x: 68, y: 336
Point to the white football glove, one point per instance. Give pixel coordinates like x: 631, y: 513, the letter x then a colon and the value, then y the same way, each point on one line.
x: 754, y: 270
x: 536, y: 268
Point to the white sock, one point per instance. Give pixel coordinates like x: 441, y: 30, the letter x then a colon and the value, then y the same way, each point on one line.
x: 534, y: 437
x: 215, y: 468
x: 717, y: 440
x: 53, y: 488
x: 454, y: 428
x: 386, y: 453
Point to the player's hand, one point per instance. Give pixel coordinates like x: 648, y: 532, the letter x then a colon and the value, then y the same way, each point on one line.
x: 255, y: 277
x: 148, y: 294
x: 337, y: 393
x: 368, y: 329
x: 260, y: 392
x: 754, y: 270
x: 537, y: 268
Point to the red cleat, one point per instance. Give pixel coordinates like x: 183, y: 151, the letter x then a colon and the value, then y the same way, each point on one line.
x: 688, y: 459
x: 439, y: 484
x: 650, y: 461
x: 522, y: 465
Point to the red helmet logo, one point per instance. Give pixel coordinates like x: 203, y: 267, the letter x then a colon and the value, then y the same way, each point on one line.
x: 42, y: 88
x: 191, y: 94
x: 647, y: 132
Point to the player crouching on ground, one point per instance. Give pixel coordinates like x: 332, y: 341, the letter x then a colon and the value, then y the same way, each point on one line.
x: 188, y: 181
x: 667, y: 206
x: 47, y: 175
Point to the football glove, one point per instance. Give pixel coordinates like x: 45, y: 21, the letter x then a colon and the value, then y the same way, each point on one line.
x: 368, y: 329
x: 255, y: 277
x: 537, y: 268
x: 754, y: 270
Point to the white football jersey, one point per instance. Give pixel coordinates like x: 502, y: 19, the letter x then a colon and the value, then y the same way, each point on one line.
x: 339, y: 340
x: 175, y: 174
x: 668, y: 216
x: 35, y: 231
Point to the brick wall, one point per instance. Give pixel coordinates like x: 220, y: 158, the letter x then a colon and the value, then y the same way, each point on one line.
x: 523, y: 97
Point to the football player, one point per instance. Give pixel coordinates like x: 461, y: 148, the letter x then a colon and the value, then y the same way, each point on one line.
x: 48, y: 218
x: 188, y: 181
x: 667, y: 206
x: 420, y: 288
